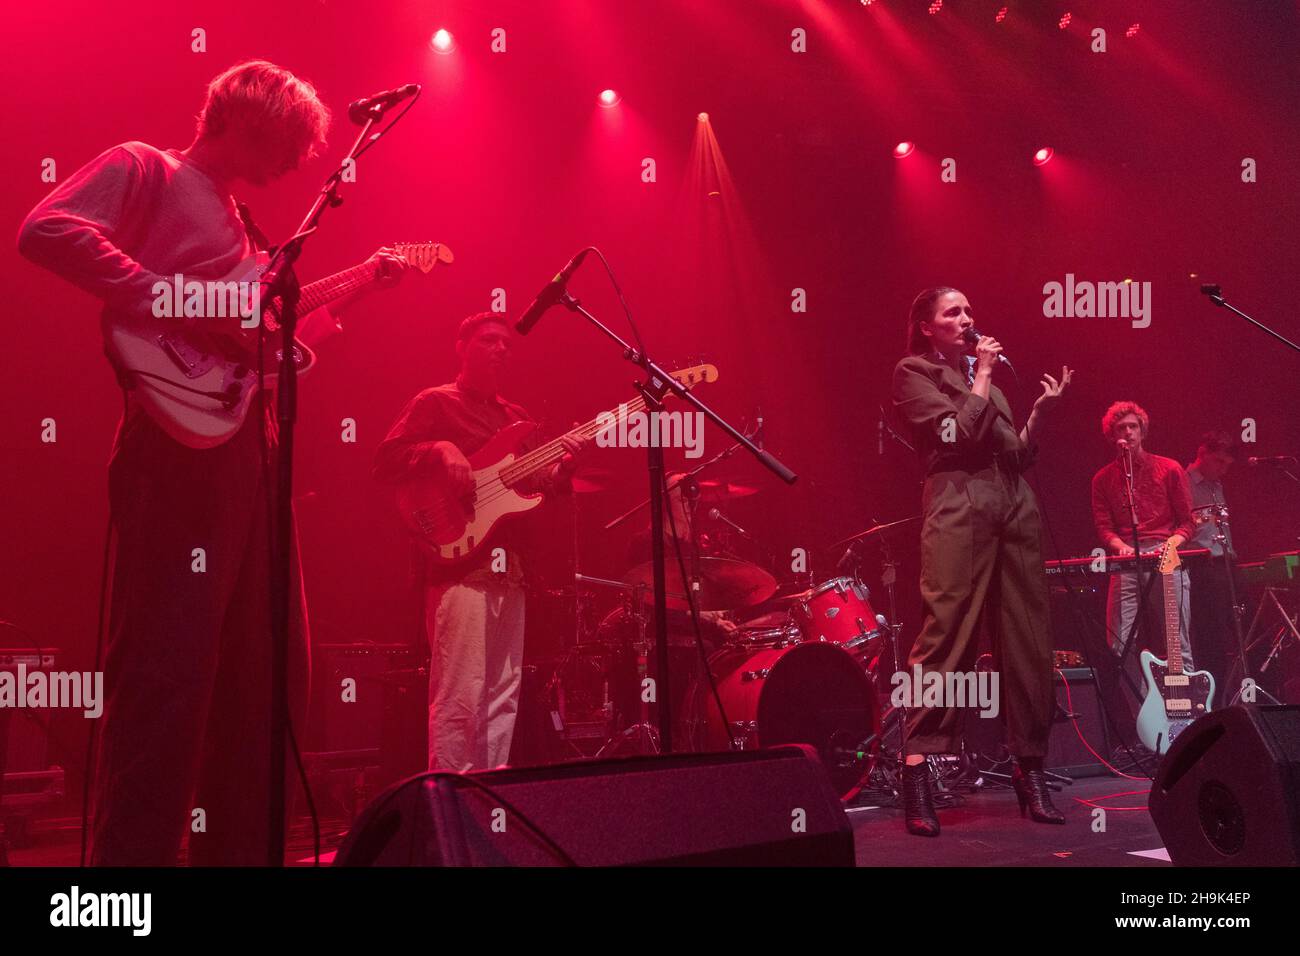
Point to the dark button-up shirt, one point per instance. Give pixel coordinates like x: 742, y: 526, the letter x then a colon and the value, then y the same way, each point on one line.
x: 1162, y: 494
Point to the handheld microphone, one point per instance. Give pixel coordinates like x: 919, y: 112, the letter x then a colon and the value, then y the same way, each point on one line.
x: 359, y: 110
x: 972, y: 336
x: 550, y: 295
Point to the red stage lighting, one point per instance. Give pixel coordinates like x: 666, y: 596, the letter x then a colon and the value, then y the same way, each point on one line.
x: 703, y: 117
x: 443, y: 42
x: 1001, y: 15
x: 1132, y: 31
x: 904, y: 149
x: 936, y: 6
x: 866, y: 3
x: 1065, y: 21
x: 609, y: 98
x: 1044, y: 156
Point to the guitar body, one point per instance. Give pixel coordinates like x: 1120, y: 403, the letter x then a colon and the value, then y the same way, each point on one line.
x: 198, y: 383
x: 1172, y: 703
x: 200, y: 359
x: 454, y: 530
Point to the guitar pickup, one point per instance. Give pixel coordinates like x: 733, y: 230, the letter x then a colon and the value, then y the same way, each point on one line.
x: 1178, y: 706
x: 1176, y: 680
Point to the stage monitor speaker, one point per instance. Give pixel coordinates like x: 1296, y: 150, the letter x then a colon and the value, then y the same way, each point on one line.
x: 757, y: 808
x: 1228, y: 791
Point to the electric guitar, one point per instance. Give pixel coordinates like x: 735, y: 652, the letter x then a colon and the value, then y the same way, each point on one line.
x: 1174, y: 699
x: 198, y: 383
x: 452, y: 528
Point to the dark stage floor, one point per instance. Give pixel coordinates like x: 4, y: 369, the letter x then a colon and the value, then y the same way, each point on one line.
x: 984, y: 830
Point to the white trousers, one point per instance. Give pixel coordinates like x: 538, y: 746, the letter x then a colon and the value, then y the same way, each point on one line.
x: 476, y: 635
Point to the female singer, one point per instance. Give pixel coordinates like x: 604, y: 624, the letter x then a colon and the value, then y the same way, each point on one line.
x: 980, y: 554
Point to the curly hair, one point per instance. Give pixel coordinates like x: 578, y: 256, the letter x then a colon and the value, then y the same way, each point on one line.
x: 265, y: 101
x: 923, y: 311
x: 1118, y: 411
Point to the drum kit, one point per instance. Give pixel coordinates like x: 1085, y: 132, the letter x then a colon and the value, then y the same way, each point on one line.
x: 761, y: 664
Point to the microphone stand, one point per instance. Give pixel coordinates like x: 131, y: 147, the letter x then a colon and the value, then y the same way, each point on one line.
x: 1216, y: 296
x: 280, y: 282
x: 655, y: 388
x: 1144, y: 582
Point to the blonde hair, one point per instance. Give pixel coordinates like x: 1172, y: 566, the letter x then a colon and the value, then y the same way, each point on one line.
x: 265, y: 101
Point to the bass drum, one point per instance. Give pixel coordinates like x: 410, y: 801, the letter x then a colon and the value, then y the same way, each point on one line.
x: 809, y: 693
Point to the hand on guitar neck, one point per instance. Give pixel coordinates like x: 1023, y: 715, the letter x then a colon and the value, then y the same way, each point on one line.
x: 1124, y: 550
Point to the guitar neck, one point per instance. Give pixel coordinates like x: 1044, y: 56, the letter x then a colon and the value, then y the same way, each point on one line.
x: 1173, y: 638
x: 548, y: 454
x: 323, y: 291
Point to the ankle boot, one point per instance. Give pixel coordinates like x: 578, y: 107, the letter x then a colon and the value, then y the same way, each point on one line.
x: 1032, y: 793
x: 918, y: 801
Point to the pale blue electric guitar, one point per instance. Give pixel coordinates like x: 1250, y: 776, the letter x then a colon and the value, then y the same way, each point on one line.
x: 1175, y: 698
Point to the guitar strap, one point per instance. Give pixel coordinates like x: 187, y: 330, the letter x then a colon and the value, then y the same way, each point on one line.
x: 260, y: 242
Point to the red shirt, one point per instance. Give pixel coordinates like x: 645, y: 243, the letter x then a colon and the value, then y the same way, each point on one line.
x: 1161, y: 491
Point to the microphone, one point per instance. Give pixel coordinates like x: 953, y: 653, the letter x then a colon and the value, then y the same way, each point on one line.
x: 550, y: 295
x: 1274, y: 460
x: 359, y: 110
x: 971, y: 336
x: 717, y: 515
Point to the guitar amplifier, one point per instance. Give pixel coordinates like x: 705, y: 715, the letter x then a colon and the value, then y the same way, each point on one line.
x: 24, y: 734
x: 368, y: 707
x: 1066, y: 753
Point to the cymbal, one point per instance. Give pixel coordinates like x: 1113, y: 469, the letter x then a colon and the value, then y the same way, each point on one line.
x: 725, y: 489
x: 725, y: 583
x: 863, y: 535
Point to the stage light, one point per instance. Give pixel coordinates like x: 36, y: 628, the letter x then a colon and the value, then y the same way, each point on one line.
x: 1044, y: 156
x: 867, y: 3
x: 703, y: 117
x: 904, y: 149
x: 936, y: 7
x: 1001, y: 15
x: 609, y: 98
x: 1132, y: 31
x: 443, y: 42
x: 1065, y: 21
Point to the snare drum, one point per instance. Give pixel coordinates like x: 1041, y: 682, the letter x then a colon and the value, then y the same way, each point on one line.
x: 838, y: 612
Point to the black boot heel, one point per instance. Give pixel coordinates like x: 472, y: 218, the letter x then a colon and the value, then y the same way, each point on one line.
x: 1033, y: 795
x: 918, y: 801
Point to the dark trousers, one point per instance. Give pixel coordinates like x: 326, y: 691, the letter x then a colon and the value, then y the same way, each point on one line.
x: 1214, y: 636
x: 981, y: 562
x: 187, y: 673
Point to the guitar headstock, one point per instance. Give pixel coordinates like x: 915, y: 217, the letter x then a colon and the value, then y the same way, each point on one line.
x: 696, y: 374
x: 1169, y: 559
x: 424, y: 255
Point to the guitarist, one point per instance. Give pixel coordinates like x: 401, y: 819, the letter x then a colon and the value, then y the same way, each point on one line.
x: 187, y: 667
x: 1162, y: 499
x: 474, y: 613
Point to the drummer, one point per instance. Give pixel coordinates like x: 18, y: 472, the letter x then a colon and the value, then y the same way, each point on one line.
x: 682, y: 499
